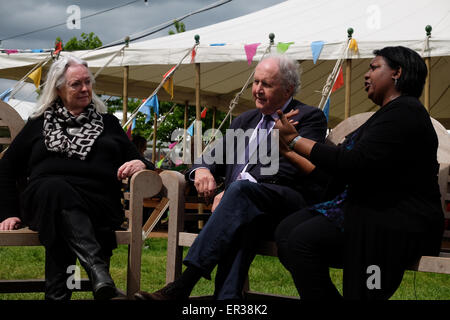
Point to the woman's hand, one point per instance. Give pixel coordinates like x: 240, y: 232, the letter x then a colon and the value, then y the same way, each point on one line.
x: 10, y: 224
x: 129, y: 168
x: 285, y: 126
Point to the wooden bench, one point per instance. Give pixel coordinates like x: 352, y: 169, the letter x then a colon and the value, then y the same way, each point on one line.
x: 178, y: 238
x: 142, y: 184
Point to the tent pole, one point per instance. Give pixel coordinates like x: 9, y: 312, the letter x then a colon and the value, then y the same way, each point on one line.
x: 348, y: 78
x: 155, y: 128
x: 348, y: 84
x: 214, y: 118
x: 185, y: 154
x: 427, y: 85
x: 427, y: 89
x: 125, y: 94
x: 198, y: 139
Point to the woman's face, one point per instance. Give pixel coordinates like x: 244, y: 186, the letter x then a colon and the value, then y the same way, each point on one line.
x: 76, y: 92
x: 379, y: 81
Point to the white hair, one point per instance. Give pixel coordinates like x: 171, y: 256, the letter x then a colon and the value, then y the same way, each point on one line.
x: 290, y: 70
x: 56, y: 77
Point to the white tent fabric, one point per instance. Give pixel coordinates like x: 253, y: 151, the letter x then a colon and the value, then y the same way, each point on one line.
x: 224, y: 67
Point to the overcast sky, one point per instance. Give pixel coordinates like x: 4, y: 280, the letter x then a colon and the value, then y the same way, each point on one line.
x: 23, y: 16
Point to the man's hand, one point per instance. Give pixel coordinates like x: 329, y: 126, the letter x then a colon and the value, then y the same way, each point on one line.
x: 205, y: 183
x: 10, y: 224
x: 216, y: 201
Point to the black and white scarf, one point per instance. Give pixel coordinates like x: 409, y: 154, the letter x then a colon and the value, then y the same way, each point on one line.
x: 71, y: 135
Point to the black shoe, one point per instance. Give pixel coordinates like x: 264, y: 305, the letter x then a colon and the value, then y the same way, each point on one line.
x: 172, y: 291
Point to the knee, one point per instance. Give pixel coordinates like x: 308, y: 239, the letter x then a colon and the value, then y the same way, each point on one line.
x: 240, y: 187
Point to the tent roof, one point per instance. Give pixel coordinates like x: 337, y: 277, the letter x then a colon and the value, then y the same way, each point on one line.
x: 224, y: 67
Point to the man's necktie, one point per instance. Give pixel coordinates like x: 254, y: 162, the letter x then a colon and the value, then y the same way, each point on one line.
x: 265, y: 124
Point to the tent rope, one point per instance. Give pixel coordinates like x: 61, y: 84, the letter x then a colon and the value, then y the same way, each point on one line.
x: 326, y: 90
x: 171, y: 72
x: 235, y: 101
x: 19, y: 85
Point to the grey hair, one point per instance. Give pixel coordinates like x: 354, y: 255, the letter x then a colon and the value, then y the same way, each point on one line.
x: 56, y: 77
x: 290, y: 71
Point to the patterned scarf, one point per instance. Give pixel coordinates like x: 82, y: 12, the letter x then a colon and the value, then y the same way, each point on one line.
x: 71, y: 135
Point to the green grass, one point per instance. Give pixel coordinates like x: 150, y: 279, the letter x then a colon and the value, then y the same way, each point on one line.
x: 266, y: 274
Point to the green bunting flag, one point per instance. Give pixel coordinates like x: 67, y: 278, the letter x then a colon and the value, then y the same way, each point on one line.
x: 282, y: 47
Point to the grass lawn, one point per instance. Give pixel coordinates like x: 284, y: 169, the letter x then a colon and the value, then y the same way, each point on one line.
x: 266, y: 274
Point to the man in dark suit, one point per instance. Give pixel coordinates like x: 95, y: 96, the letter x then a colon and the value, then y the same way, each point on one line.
x: 255, y: 189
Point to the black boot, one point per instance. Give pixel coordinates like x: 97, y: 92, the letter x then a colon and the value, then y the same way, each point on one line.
x: 58, y: 258
x: 80, y: 237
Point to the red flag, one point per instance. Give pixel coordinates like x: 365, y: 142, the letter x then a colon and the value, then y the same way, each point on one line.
x: 193, y: 53
x: 339, y: 81
x: 58, y: 47
x: 129, y: 131
x: 203, y: 114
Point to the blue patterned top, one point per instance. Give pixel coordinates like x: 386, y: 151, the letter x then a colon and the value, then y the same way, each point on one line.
x: 333, y: 209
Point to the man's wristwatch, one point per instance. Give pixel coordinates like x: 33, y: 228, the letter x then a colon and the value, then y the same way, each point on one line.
x: 293, y: 142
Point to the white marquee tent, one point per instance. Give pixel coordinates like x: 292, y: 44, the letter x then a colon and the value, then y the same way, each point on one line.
x: 223, y: 62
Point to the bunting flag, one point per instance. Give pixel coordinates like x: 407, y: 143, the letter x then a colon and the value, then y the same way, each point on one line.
x: 282, y: 47
x: 339, y: 81
x: 149, y: 104
x: 193, y: 54
x: 36, y: 76
x: 316, y: 48
x: 129, y: 131
x: 250, y: 51
x: 168, y: 85
x: 58, y: 47
x: 173, y: 144
x: 353, y: 45
x: 6, y: 95
x: 326, y: 109
x: 190, y: 130
x: 203, y: 114
x: 159, y: 163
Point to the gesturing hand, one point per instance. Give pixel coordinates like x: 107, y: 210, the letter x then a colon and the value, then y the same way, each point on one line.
x: 285, y: 125
x: 129, y: 168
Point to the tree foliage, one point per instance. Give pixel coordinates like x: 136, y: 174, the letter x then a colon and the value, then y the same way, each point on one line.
x: 179, y: 27
x: 86, y: 42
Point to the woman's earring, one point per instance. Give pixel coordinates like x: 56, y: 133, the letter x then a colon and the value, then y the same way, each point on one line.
x: 395, y: 81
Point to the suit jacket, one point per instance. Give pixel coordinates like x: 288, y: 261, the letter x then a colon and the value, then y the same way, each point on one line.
x: 312, y: 124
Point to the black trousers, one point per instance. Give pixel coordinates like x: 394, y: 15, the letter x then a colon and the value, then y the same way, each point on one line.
x: 308, y: 244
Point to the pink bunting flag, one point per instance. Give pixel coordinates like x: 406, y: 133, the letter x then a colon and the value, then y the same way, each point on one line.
x: 250, y: 51
x: 173, y: 145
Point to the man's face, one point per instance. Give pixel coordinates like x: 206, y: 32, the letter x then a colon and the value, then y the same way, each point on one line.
x: 268, y: 90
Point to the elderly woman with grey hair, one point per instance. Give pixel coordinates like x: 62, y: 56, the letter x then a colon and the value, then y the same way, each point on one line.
x: 70, y: 156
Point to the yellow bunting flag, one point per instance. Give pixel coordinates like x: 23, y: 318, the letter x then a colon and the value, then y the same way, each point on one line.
x: 36, y: 76
x: 168, y: 85
x: 353, y: 45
